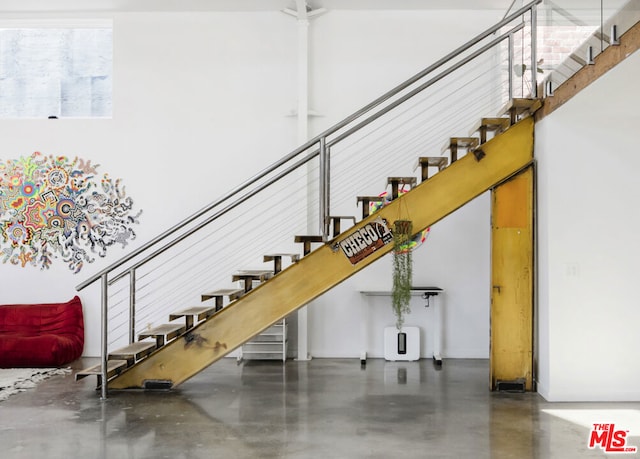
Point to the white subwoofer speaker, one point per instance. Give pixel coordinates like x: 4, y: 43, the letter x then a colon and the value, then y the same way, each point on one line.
x: 403, y: 344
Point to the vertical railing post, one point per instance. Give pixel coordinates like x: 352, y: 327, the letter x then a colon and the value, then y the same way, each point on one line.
x: 104, y: 326
x: 548, y: 89
x: 510, y: 66
x: 534, y: 48
x: 614, y: 39
x: 589, y: 56
x: 132, y: 305
x: 324, y: 189
x: 601, y: 25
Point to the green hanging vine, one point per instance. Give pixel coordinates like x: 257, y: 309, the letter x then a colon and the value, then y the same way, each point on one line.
x: 402, y: 270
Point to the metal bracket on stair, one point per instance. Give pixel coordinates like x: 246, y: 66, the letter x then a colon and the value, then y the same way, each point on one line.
x: 479, y: 154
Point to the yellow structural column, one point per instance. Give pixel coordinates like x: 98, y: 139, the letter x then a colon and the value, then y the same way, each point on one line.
x: 512, y: 281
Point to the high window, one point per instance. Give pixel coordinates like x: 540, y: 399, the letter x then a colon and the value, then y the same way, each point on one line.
x: 56, y: 71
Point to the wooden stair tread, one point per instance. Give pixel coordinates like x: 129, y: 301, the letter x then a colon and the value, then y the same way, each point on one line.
x: 253, y: 274
x: 370, y: 198
x: 162, y: 329
x: 521, y: 104
x: 461, y: 142
x: 200, y: 312
x: 114, y: 367
x: 134, y: 351
x: 432, y: 161
x: 498, y: 124
x: 516, y: 107
x: 395, y: 183
x: 277, y: 260
x: 308, y: 238
x: 402, y: 180
x: 337, y: 222
x: 248, y: 276
x: 232, y: 293
x: 425, y: 162
x: 366, y: 200
x: 272, y: 256
x: 218, y: 296
x: 168, y: 330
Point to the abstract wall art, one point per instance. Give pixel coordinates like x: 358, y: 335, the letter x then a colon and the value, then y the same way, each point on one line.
x: 56, y: 207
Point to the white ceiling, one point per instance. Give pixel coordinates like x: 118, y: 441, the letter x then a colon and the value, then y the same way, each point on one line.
x: 63, y: 6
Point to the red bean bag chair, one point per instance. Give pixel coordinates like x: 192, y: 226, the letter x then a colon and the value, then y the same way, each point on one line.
x: 41, y: 335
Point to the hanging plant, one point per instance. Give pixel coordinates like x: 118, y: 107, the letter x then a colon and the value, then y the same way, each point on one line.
x: 402, y: 270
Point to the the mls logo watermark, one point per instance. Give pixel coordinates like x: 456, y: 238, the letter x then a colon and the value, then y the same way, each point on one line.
x: 610, y: 439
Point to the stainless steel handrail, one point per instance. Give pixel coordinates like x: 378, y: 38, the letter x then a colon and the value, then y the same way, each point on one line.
x: 332, y: 130
x: 513, y: 2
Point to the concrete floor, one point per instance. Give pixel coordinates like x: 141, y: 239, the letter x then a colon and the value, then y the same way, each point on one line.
x: 318, y: 409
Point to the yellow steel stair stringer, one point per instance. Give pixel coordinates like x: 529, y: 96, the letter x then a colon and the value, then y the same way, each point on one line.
x: 326, y: 267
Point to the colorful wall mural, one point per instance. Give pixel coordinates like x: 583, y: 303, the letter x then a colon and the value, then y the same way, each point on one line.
x: 56, y: 207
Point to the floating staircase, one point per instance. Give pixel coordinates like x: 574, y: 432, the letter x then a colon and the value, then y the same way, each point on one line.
x: 197, y: 336
x: 470, y: 163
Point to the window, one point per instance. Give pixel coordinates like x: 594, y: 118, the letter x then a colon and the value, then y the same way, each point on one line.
x: 56, y: 71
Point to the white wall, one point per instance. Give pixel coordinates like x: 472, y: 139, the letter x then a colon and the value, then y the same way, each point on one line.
x: 588, y: 242
x: 188, y: 87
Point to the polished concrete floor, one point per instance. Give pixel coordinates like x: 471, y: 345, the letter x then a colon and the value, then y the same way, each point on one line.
x: 318, y: 409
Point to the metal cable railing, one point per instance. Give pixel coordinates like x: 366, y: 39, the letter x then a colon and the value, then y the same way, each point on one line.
x: 320, y: 178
